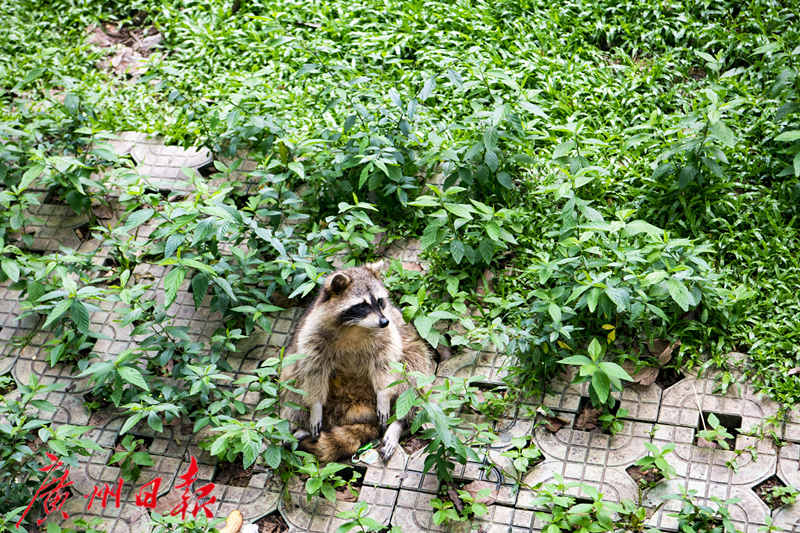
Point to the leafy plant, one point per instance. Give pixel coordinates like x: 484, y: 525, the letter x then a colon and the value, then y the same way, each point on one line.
x: 613, y: 423
x: 19, y: 468
x: 473, y: 230
x: 357, y: 518
x: 781, y: 495
x: 696, y: 517
x: 176, y: 524
x: 131, y: 459
x: 656, y: 461
x: 436, y: 420
x: 446, y: 510
x: 604, y: 376
x: 523, y: 454
x: 563, y: 513
x: 717, y: 434
x: 324, y: 480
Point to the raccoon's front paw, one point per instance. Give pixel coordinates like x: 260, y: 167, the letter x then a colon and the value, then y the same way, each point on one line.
x: 384, y: 409
x: 315, y: 420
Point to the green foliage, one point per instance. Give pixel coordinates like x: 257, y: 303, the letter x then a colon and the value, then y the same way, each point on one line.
x: 176, y: 524
x: 131, y: 459
x: 696, y: 518
x: 717, y: 433
x: 563, y: 513
x: 781, y: 496
x: 446, y: 511
x: 656, y: 460
x: 523, y: 454
x: 20, y: 427
x: 324, y: 480
x: 604, y: 376
x: 357, y: 518
x: 467, y: 230
x: 436, y: 419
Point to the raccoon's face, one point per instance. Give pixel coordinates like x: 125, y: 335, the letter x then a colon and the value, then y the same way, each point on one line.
x: 356, y: 297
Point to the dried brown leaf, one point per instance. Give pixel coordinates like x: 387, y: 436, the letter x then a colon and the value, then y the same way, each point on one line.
x: 475, y: 487
x: 552, y: 423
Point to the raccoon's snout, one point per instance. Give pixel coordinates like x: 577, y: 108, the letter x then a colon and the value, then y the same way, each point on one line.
x: 383, y: 322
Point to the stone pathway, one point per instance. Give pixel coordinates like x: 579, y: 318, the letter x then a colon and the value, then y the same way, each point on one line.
x: 399, y: 492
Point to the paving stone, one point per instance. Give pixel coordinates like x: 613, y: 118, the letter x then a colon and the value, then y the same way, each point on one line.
x: 491, y: 366
x: 57, y: 226
x: 788, y: 470
x: 748, y: 514
x: 165, y: 449
x: 680, y: 402
x: 162, y: 165
x: 319, y: 515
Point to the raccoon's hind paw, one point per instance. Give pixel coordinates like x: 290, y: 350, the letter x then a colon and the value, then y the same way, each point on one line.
x: 315, y: 420
x: 300, y: 434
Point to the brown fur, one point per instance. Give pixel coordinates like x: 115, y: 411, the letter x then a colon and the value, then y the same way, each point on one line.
x: 346, y: 366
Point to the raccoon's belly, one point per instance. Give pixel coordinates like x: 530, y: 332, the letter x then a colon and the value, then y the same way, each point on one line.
x: 351, y: 400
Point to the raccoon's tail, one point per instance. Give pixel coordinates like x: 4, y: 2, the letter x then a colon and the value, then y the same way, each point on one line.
x: 339, y: 441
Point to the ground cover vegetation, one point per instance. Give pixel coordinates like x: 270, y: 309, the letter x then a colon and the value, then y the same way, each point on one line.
x: 583, y: 178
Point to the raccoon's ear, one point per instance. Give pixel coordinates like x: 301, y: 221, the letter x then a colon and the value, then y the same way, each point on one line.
x: 377, y: 268
x: 337, y: 283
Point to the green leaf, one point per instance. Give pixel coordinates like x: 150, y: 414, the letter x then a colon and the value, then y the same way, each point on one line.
x: 491, y: 160
x: 640, y: 226
x: 679, y: 293
x: 576, y: 360
x: 595, y: 349
x: 427, y: 89
x: 613, y: 370
x: 31, y: 174
x: 404, y: 403
x: 154, y: 421
x: 723, y: 133
x: 60, y: 308
x: 173, y: 241
x: 555, y: 312
x: 80, y: 315
x: 457, y: 250
x: 440, y: 424
x: 272, y: 456
x: 11, y: 269
x: 199, y: 288
x: 563, y: 149
x: 789, y: 136
x: 133, y: 376
x: 130, y: 422
x: 172, y: 282
x: 313, y: 485
x: 460, y: 210
x: 225, y: 286
x: 137, y: 218
x: 424, y: 325
x: 601, y: 386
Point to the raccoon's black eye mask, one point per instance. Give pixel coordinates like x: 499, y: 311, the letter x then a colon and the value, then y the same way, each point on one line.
x: 359, y: 311
x: 355, y: 312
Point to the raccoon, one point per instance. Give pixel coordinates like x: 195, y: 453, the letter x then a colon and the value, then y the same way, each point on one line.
x: 350, y: 335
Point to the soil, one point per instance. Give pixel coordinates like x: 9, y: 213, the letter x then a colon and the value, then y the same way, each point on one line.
x: 232, y: 474
x: 272, y: 523
x: 668, y: 377
x: 412, y: 444
x: 587, y: 418
x: 763, y: 488
x: 8, y: 388
x: 644, y: 477
x: 97, y: 401
x: 552, y: 423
